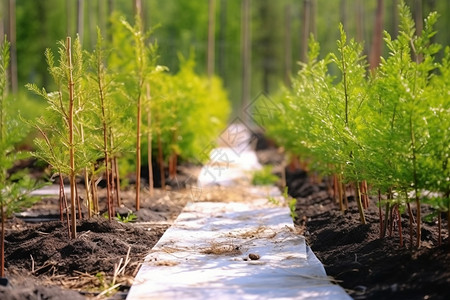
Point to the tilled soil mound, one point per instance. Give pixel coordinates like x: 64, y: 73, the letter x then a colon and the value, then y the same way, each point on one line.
x: 44, y: 255
x: 43, y: 263
x: 365, y: 265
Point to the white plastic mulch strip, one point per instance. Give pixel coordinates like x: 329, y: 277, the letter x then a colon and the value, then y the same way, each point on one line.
x: 50, y: 190
x: 205, y: 255
x: 226, y: 166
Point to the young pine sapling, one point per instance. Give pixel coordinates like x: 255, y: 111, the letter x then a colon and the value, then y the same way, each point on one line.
x: 14, y: 188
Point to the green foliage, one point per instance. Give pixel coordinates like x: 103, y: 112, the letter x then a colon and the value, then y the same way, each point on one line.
x: 292, y: 203
x: 406, y: 114
x: 189, y: 111
x: 16, y: 194
x: 130, y: 217
x: 185, y: 110
x: 390, y: 128
x: 14, y: 188
x: 273, y: 200
x: 264, y: 176
x: 53, y: 125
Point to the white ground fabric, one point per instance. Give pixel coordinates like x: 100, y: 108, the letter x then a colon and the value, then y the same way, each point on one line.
x: 227, y: 167
x: 205, y: 255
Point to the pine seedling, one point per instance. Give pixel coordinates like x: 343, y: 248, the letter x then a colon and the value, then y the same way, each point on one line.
x: 14, y: 188
x: 402, y: 102
x: 109, y: 115
x: 64, y: 147
x: 101, y: 85
x: 345, y: 111
x: 145, y: 56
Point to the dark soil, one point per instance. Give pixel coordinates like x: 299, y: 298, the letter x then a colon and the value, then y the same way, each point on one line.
x: 43, y: 263
x: 365, y: 265
x: 44, y: 253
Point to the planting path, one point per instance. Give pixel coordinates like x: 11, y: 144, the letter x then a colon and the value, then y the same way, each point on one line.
x: 233, y: 251
x: 230, y: 249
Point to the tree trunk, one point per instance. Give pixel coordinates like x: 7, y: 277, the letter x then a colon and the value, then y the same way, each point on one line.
x: 418, y: 16
x: 395, y: 21
x: 80, y: 20
x: 359, y: 21
x: 305, y: 30
x: 102, y: 17
x: 222, y: 40
x: 2, y: 21
x: 245, y: 57
x: 343, y: 13
x: 138, y: 8
x: 13, y: 47
x: 2, y: 241
x: 312, y: 18
x: 69, y: 17
x: 211, y: 37
x: 377, y: 38
x: 287, y: 45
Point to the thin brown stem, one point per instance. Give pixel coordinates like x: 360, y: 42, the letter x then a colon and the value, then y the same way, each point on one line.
x: 411, y: 220
x: 80, y: 216
x: 335, y: 183
x: 439, y: 229
x: 61, y: 196
x: 138, y: 152
x: 399, y: 222
x: 391, y: 218
x: 105, y: 139
x: 360, y: 207
x: 416, y: 190
x: 161, y: 163
x: 71, y: 140
x: 87, y: 186
x: 94, y: 195
x: 115, y: 170
x: 117, y: 178
x: 2, y: 242
x: 386, y: 214
x: 380, y: 214
x: 65, y: 205
x: 151, y: 184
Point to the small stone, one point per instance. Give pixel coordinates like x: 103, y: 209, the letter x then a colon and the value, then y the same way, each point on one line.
x: 254, y: 256
x: 3, y: 281
x: 394, y: 287
x: 360, y: 289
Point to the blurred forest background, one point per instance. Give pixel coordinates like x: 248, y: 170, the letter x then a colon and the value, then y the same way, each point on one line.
x: 254, y: 46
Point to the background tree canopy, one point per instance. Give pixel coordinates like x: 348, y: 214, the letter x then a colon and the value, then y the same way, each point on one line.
x: 278, y: 33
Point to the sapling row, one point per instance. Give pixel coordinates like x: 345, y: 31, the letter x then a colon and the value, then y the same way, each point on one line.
x: 14, y: 188
x: 386, y: 130
x: 145, y: 60
x: 87, y: 125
